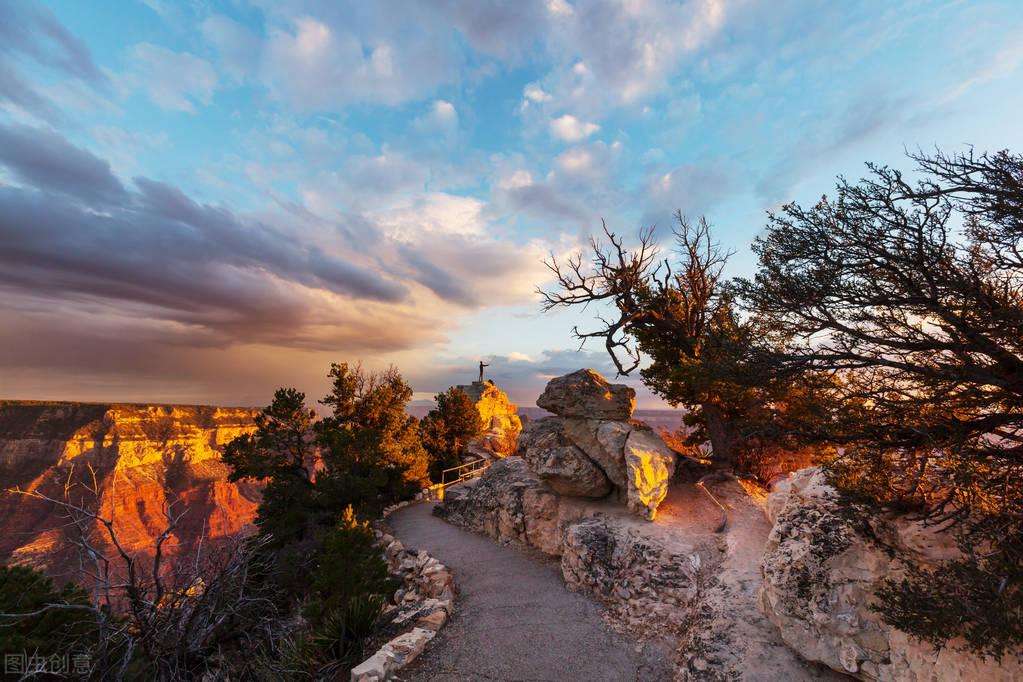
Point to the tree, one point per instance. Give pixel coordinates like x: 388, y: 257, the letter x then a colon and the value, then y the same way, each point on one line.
x: 913, y: 292
x: 372, y: 454
x: 679, y: 313
x: 448, y: 428
x: 37, y: 618
x: 280, y: 452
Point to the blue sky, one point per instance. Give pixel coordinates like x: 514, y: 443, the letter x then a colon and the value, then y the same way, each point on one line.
x: 200, y: 201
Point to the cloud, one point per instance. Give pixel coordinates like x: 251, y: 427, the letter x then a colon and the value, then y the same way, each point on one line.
x: 441, y: 118
x: 376, y: 55
x: 571, y: 129
x: 31, y: 30
x: 173, y: 80
x: 239, y: 48
x: 48, y: 161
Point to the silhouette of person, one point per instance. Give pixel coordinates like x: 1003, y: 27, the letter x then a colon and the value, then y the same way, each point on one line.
x: 482, y: 365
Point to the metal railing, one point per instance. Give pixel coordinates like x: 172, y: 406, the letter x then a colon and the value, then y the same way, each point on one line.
x: 464, y: 472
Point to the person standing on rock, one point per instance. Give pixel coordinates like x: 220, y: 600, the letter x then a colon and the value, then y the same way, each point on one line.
x: 482, y: 365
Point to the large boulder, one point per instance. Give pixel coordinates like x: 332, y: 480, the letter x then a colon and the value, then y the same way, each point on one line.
x: 604, y: 443
x: 561, y: 464
x: 591, y: 448
x: 821, y: 573
x: 585, y: 393
x: 500, y: 420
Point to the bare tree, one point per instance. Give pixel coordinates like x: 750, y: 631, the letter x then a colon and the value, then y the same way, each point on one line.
x: 671, y: 309
x: 153, y: 617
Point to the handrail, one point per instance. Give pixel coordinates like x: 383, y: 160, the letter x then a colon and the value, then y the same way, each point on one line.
x: 463, y: 472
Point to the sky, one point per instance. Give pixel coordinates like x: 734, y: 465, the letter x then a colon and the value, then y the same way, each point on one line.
x: 203, y: 200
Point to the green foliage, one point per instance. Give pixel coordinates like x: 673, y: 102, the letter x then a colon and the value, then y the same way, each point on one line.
x: 448, y: 428
x: 280, y: 452
x: 53, y: 631
x: 372, y: 455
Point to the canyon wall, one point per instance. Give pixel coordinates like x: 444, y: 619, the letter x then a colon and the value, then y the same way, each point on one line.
x: 142, y: 460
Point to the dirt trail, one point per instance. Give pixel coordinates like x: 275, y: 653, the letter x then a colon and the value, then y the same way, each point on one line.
x: 514, y: 619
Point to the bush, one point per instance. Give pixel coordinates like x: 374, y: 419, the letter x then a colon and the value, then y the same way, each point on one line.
x: 63, y: 629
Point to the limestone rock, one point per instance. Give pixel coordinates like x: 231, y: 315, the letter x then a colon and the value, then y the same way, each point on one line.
x: 500, y: 419
x: 649, y: 465
x: 562, y: 465
x: 604, y: 443
x: 821, y: 573
x: 569, y: 472
x: 585, y: 393
x: 508, y: 503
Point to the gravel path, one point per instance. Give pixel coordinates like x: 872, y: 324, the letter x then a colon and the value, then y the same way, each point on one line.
x: 514, y: 619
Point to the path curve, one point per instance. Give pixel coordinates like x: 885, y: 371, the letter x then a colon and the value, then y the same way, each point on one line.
x: 514, y: 619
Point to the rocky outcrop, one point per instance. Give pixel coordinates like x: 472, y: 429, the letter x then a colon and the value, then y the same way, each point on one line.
x: 821, y: 572
x: 564, y: 466
x: 143, y: 457
x: 500, y: 420
x: 590, y: 448
x: 675, y: 579
x: 584, y: 393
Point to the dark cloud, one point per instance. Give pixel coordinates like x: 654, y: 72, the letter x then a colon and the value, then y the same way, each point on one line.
x: 17, y: 92
x: 78, y: 233
x: 48, y: 161
x: 31, y: 30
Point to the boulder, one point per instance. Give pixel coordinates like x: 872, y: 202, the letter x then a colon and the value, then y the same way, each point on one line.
x: 559, y: 463
x: 821, y: 572
x: 604, y: 443
x: 587, y: 394
x: 569, y: 471
x: 649, y: 465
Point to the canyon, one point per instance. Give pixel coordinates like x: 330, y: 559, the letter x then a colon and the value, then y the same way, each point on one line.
x: 130, y: 463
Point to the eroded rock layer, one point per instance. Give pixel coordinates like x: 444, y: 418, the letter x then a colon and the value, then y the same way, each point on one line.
x: 142, y: 459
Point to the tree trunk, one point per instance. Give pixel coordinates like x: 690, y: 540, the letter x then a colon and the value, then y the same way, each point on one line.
x: 722, y: 436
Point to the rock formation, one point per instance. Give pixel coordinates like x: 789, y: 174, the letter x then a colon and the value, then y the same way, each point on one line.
x: 590, y: 448
x: 821, y: 571
x: 143, y: 457
x: 500, y: 419
x: 675, y: 579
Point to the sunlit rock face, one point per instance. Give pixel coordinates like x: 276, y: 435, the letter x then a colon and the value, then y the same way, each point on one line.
x: 585, y: 393
x: 821, y: 572
x: 500, y: 420
x: 142, y: 458
x: 590, y: 448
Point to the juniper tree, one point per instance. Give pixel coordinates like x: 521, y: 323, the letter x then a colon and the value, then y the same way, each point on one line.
x: 678, y: 312
x: 913, y: 293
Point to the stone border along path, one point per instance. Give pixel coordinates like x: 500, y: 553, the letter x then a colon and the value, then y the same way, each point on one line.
x: 425, y: 600
x: 516, y: 620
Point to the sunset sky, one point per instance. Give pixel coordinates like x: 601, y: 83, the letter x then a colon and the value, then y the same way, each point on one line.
x: 201, y: 201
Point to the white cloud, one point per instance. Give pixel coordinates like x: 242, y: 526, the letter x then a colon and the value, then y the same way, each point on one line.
x: 534, y: 93
x: 432, y: 214
x: 571, y: 129
x: 173, y: 80
x: 442, y: 117
x: 575, y: 160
